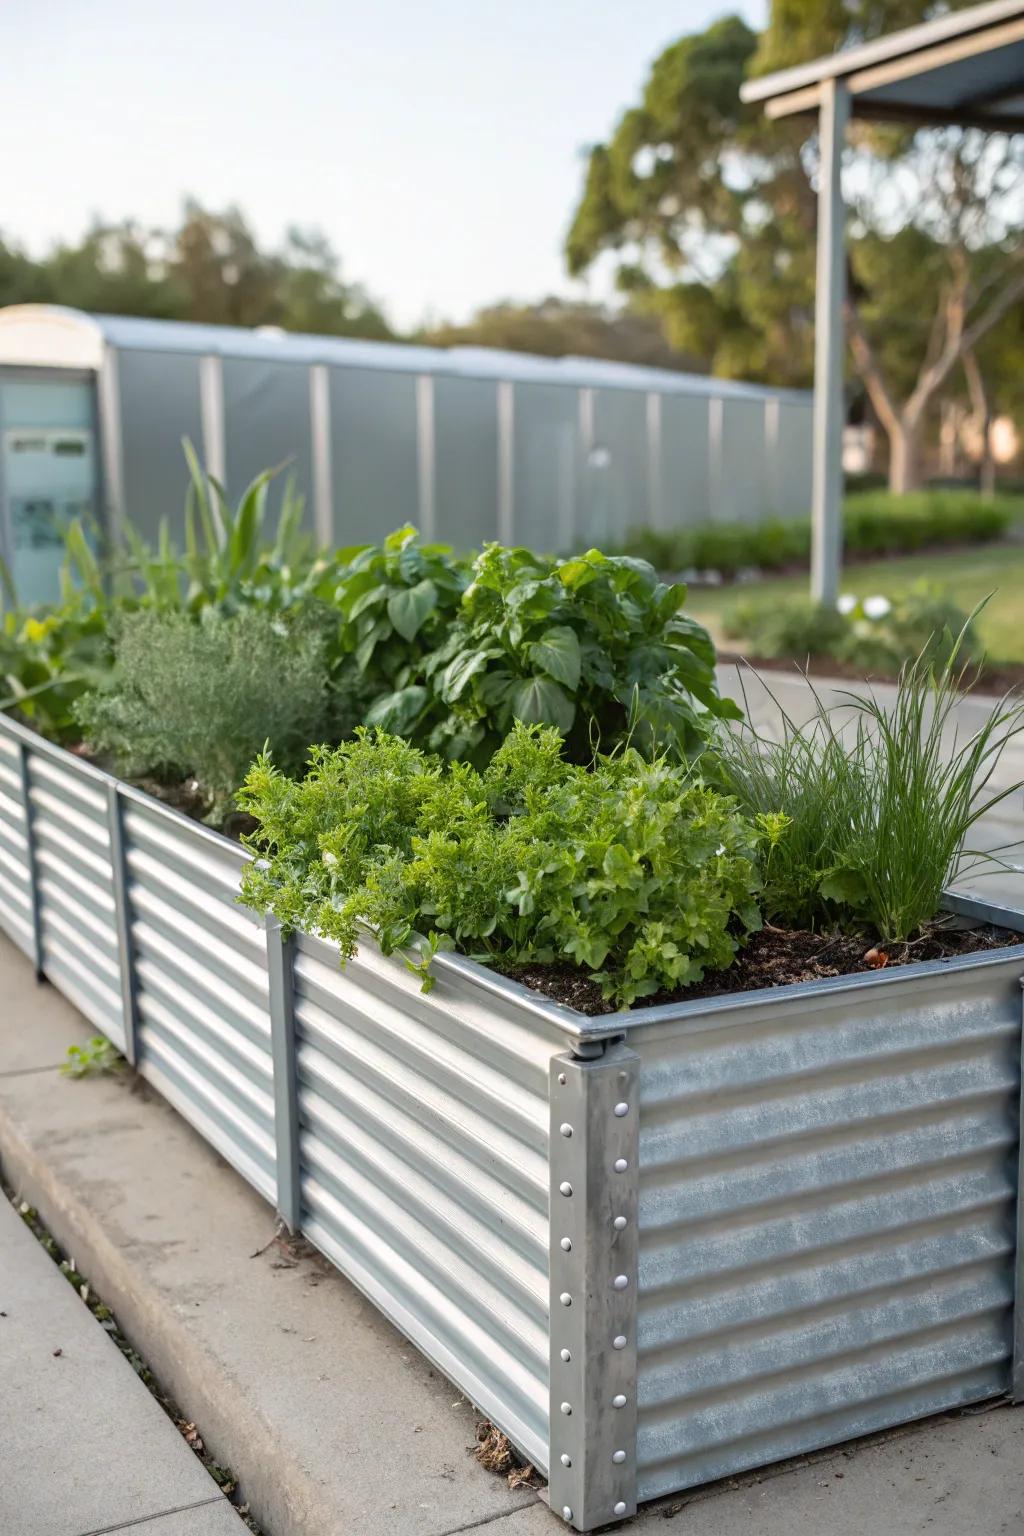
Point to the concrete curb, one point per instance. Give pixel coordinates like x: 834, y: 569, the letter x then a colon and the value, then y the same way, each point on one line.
x: 357, y: 1434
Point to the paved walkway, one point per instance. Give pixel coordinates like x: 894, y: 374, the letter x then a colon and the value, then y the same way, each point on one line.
x: 84, y: 1448
x: 779, y: 692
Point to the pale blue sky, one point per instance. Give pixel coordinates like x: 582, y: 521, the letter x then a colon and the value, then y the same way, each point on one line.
x: 437, y: 144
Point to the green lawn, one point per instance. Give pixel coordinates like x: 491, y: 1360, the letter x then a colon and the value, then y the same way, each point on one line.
x: 969, y: 574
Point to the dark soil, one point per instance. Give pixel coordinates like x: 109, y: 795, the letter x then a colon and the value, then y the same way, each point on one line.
x: 777, y: 957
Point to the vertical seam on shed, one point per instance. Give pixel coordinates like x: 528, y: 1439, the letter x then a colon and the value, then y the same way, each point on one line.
x: 320, y: 432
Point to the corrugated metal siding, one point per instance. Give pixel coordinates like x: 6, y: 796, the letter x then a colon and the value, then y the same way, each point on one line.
x: 201, y: 993
x: 75, y: 886
x: 423, y: 1147
x: 827, y: 1208
x: 15, y: 875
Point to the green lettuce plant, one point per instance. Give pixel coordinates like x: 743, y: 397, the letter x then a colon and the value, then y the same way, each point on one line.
x: 633, y: 870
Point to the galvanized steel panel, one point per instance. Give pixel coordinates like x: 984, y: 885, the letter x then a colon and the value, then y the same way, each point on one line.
x: 423, y: 1129
x: 15, y: 872
x: 159, y: 394
x: 373, y: 453
x: 545, y: 466
x: 267, y: 423
x: 741, y: 493
x: 201, y: 988
x: 684, y: 476
x: 75, y: 889
x: 827, y: 1213
x: 466, y: 460
x: 614, y: 492
x: 790, y: 461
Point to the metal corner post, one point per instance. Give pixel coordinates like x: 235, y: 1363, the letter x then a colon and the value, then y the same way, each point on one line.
x: 282, y: 1046
x: 30, y: 856
x: 593, y: 1269
x: 125, y: 958
x: 1017, y: 1370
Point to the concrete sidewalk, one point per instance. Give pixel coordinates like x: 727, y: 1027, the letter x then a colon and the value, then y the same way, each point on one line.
x: 332, y: 1422
x: 84, y: 1448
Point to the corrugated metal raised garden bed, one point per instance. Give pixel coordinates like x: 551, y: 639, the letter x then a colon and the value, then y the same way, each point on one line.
x: 655, y: 1247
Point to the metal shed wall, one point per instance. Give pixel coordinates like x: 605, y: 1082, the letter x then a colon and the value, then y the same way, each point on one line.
x: 828, y: 1190
x: 545, y: 466
x: 267, y: 423
x: 374, y: 459
x: 160, y: 404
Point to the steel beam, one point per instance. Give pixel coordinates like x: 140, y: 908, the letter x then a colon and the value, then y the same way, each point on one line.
x: 829, y: 349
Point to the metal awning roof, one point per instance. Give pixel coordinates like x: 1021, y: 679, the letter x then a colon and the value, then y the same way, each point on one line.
x: 966, y: 67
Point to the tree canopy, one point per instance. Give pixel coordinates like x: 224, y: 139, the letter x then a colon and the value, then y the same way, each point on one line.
x: 706, y: 212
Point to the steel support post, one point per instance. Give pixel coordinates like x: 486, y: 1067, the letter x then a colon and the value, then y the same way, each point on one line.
x: 282, y: 1046
x: 829, y: 349
x: 593, y: 1268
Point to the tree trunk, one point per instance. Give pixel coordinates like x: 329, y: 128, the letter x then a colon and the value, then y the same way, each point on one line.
x: 905, y: 456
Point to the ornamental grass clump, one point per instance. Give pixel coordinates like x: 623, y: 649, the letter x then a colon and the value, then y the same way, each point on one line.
x: 635, y: 871
x: 876, y: 802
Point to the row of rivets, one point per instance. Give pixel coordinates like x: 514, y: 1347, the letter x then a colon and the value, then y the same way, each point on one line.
x: 620, y: 1282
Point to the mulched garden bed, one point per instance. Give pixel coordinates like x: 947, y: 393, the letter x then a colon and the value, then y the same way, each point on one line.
x: 777, y: 957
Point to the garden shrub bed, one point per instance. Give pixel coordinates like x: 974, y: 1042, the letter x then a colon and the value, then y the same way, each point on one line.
x: 874, y: 523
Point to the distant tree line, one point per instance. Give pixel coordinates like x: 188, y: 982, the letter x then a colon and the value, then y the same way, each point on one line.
x: 211, y: 268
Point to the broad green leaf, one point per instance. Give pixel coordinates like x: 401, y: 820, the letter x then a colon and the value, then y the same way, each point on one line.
x: 398, y: 712
x: 409, y: 608
x: 845, y: 886
x: 539, y: 701
x: 557, y: 653
x: 458, y: 672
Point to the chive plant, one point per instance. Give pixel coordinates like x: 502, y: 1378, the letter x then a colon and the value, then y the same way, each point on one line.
x: 879, y: 800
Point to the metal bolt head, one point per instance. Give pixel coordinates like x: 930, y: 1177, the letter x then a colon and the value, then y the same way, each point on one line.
x: 566, y: 1245
x: 561, y: 1079
x: 565, y: 1299
x: 565, y: 1189
x: 566, y: 1512
x: 620, y: 1508
x: 618, y: 1457
x: 620, y: 1282
x: 566, y: 1356
x: 621, y: 1165
x: 619, y: 1341
x: 566, y: 1129
x: 565, y: 1460
x: 620, y: 1223
x: 618, y: 1401
x: 567, y: 1408
x: 621, y: 1109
